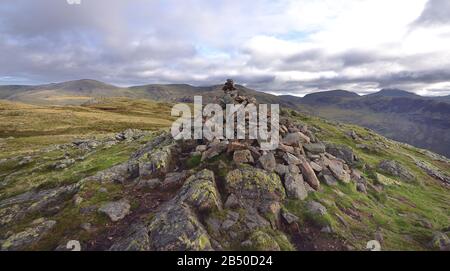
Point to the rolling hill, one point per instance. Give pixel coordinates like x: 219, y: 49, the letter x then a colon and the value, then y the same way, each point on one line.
x: 397, y: 114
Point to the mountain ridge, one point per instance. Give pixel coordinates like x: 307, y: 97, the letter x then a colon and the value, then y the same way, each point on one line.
x: 420, y: 121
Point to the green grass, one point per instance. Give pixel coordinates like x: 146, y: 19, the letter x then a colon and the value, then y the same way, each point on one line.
x: 399, y: 212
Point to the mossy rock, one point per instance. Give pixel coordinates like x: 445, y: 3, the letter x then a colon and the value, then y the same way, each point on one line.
x: 255, y: 185
x: 262, y: 241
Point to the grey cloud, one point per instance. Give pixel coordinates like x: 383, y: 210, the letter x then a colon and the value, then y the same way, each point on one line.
x: 436, y: 12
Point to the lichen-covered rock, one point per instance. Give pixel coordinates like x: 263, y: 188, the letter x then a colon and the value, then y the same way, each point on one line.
x: 135, y: 239
x: 200, y: 192
x: 157, y: 161
x: 116, y: 174
x: 255, y: 186
x: 176, y: 228
x: 20, y: 240
x: 396, y: 169
x: 18, y: 207
x: 116, y: 210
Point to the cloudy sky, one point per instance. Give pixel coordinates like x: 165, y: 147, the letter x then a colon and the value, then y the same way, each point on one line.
x: 278, y: 46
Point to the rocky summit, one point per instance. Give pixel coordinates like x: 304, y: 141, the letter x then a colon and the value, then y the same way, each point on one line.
x: 140, y: 191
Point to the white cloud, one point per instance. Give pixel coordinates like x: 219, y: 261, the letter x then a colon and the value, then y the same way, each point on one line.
x: 294, y: 46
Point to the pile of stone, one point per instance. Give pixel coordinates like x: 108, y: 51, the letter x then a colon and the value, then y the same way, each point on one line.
x: 202, y: 217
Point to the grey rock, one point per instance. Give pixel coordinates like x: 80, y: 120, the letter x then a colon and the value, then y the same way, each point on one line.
x: 293, y: 169
x: 316, y: 208
x: 148, y: 184
x: 135, y: 239
x: 433, y: 172
x: 174, y: 179
x: 295, y: 187
x: 29, y: 236
x: 254, y: 186
x: 291, y: 159
x: 396, y: 169
x: 177, y: 228
x: 157, y: 161
x: 316, y: 167
x: 232, y: 202
x: 200, y: 192
x: 309, y: 175
x: 328, y: 179
x: 289, y: 217
x: 268, y: 162
x: 315, y: 148
x: 281, y: 169
x: 25, y: 161
x: 243, y: 156
x: 295, y: 139
x: 342, y: 152
x: 361, y: 187
x: 116, y: 210
x: 337, y: 169
x: 214, y: 149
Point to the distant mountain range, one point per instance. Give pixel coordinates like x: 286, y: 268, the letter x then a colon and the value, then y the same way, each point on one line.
x: 420, y: 121
x: 404, y: 116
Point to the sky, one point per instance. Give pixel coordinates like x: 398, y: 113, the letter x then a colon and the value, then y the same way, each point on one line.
x: 277, y: 46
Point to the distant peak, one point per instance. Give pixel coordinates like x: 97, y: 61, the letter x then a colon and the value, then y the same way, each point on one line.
x: 333, y: 93
x: 393, y: 92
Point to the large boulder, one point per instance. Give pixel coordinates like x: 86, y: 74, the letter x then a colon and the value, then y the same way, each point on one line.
x: 200, y: 192
x: 255, y: 186
x: 177, y: 228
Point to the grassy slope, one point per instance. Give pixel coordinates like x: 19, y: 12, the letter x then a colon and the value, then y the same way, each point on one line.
x: 26, y: 127
x: 398, y: 212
